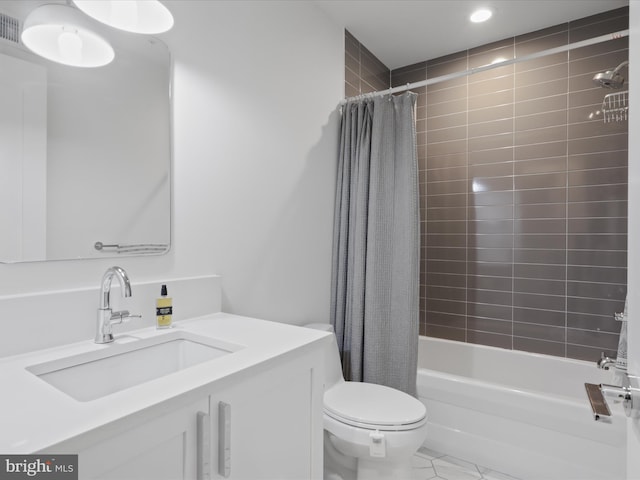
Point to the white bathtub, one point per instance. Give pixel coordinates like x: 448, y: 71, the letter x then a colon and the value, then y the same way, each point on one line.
x: 519, y: 413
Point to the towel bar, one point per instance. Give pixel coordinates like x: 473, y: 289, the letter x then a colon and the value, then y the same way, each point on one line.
x: 132, y: 247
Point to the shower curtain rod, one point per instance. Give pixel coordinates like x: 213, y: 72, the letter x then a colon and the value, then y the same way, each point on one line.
x: 483, y: 68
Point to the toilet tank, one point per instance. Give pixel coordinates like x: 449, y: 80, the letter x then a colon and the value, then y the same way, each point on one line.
x: 333, y: 367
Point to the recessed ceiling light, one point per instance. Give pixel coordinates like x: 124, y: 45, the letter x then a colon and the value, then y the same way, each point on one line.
x: 481, y: 15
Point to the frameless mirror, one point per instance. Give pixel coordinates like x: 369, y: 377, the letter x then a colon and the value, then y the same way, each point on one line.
x: 85, y: 153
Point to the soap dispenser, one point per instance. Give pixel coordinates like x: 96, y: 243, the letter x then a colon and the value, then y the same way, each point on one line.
x: 164, y: 309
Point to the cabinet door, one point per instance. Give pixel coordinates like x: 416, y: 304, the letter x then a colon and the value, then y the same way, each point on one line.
x: 162, y: 449
x: 268, y: 426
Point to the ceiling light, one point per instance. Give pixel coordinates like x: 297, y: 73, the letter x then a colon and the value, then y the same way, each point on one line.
x: 59, y: 33
x: 481, y: 15
x: 137, y: 16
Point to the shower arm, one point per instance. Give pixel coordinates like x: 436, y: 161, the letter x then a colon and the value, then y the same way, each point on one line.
x: 619, y: 67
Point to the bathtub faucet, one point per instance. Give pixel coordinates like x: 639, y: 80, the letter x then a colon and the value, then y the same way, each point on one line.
x: 605, y: 362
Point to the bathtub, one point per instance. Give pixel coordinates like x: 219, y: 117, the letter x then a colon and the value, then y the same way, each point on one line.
x: 519, y: 413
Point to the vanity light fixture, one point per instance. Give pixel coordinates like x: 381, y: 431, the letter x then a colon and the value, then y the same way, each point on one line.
x: 481, y: 15
x: 60, y: 34
x: 137, y: 16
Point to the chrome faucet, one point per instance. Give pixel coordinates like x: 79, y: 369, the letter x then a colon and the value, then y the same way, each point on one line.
x: 605, y: 362
x: 106, y: 317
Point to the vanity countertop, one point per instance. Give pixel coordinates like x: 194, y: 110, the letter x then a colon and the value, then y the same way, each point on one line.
x: 35, y: 415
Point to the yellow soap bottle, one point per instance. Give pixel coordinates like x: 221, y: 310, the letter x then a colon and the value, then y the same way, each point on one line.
x: 164, y: 309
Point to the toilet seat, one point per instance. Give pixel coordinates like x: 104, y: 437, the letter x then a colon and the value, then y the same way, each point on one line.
x: 374, y: 407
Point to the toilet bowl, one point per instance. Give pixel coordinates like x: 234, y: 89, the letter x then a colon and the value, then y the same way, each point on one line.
x: 371, y: 431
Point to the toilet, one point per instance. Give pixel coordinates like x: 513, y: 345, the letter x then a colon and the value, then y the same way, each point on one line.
x: 370, y: 431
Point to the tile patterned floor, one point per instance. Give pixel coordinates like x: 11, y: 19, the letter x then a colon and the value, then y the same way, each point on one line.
x: 429, y: 465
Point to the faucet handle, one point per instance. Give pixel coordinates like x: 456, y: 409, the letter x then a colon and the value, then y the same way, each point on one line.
x: 122, y: 316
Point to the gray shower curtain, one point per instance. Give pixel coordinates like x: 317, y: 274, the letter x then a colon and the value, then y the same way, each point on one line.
x: 376, y: 245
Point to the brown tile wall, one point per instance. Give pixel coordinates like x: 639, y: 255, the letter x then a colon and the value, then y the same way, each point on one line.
x: 523, y: 192
x: 363, y: 72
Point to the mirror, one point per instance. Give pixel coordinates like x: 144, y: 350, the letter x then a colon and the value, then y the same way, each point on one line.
x: 85, y: 153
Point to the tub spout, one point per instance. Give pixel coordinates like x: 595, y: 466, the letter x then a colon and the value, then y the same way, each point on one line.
x: 605, y: 362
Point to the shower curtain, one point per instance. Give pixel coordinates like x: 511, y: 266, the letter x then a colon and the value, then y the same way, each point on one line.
x: 376, y: 244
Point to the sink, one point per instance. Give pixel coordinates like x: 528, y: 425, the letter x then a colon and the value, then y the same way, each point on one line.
x: 130, y: 362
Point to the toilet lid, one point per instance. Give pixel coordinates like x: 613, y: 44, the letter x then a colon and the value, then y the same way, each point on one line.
x: 368, y: 404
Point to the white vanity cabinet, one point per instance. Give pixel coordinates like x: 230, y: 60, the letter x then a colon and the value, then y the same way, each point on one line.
x: 251, y: 413
x: 263, y: 422
x: 269, y: 426
x: 164, y: 448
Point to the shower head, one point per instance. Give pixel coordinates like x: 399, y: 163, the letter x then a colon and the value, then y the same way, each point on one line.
x: 610, y: 78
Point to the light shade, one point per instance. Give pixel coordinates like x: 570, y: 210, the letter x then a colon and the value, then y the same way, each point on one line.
x: 59, y: 33
x: 137, y: 16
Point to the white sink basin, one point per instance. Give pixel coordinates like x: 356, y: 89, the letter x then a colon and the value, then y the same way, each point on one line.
x: 122, y: 365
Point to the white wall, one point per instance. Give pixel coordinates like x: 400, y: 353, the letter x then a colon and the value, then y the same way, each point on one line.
x: 259, y: 90
x: 256, y: 88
